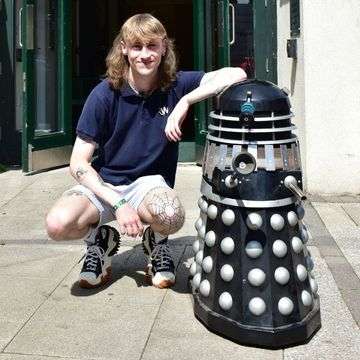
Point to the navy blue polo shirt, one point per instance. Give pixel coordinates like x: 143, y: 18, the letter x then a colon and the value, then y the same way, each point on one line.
x: 129, y: 130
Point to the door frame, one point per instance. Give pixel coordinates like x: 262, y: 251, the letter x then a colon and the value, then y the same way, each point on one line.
x: 53, y: 149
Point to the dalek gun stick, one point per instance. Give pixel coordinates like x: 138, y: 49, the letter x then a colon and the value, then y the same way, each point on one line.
x: 252, y: 276
x: 291, y: 183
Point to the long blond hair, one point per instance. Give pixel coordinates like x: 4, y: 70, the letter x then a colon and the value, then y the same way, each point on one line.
x: 140, y: 27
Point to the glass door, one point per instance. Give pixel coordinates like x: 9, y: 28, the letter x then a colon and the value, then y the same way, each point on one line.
x: 46, y: 83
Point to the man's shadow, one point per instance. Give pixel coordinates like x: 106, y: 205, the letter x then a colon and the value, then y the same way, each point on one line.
x: 132, y: 263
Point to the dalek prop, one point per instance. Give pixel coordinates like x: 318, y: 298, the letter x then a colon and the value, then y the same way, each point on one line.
x: 252, y: 278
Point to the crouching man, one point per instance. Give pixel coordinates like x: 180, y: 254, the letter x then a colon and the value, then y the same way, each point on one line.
x: 133, y: 120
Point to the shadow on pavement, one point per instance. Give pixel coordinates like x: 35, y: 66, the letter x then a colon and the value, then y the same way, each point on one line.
x: 132, y: 263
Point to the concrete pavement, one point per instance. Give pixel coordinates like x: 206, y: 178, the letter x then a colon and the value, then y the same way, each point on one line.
x: 45, y: 315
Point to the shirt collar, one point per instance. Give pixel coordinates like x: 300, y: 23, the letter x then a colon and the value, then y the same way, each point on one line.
x: 126, y: 90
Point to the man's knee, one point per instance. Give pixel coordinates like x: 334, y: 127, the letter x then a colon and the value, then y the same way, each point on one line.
x: 58, y: 224
x: 167, y: 210
x: 176, y: 221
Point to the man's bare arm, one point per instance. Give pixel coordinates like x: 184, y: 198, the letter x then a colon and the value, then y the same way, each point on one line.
x: 215, y: 82
x: 84, y: 173
x: 212, y: 83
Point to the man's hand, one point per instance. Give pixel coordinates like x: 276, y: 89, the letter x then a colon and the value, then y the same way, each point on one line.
x: 129, y: 221
x: 175, y: 119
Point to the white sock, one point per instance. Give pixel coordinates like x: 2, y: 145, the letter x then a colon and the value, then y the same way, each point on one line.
x: 89, y: 238
x: 159, y: 237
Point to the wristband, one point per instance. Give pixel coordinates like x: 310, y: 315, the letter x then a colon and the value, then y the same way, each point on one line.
x: 119, y: 204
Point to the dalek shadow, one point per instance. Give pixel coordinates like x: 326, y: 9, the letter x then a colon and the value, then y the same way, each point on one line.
x: 252, y: 278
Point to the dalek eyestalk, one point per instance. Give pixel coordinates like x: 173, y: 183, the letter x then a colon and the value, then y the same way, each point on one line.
x: 242, y: 164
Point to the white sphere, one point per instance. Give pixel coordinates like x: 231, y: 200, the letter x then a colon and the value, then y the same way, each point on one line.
x: 277, y: 222
x: 279, y: 248
x: 225, y: 301
x: 227, y: 272
x: 200, y: 201
x: 227, y: 245
x: 228, y: 217
x: 300, y: 212
x: 207, y: 264
x: 309, y: 263
x: 196, y: 280
x: 202, y: 231
x: 257, y: 306
x: 210, y: 238
x: 304, y: 234
x: 296, y: 244
x: 212, y: 212
x: 292, y: 218
x: 199, y: 257
x: 194, y: 268
x: 198, y: 224
x: 253, y: 249
x: 204, y: 206
x: 282, y: 275
x: 301, y: 272
x: 205, y: 288
x: 256, y: 277
x: 254, y: 221
x: 306, y: 298
x: 313, y: 285
x: 196, y: 245
x: 285, y: 306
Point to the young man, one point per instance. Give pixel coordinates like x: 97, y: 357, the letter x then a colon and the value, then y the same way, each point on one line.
x: 134, y: 118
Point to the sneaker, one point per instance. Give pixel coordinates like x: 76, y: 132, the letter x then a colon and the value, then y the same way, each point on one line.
x: 160, y: 269
x: 96, y: 269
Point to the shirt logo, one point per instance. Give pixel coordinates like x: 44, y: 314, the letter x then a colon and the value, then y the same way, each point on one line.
x: 163, y: 110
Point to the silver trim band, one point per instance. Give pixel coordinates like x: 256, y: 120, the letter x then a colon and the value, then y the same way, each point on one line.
x: 244, y: 142
x: 234, y: 118
x: 269, y: 130
x: 207, y: 191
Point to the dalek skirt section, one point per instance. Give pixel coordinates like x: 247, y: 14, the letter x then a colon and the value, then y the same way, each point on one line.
x: 252, y: 275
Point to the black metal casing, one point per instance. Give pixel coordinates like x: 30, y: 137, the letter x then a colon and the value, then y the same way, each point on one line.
x: 252, y: 276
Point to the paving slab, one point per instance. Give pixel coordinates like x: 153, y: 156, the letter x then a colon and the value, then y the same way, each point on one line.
x: 28, y: 275
x: 112, y: 322
x: 31, y: 357
x: 353, y: 211
x: 343, y: 230
x: 39, y: 261
x: 12, y: 183
x: 339, y: 336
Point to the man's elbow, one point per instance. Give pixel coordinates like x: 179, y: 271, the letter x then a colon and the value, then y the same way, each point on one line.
x: 74, y: 167
x: 236, y: 74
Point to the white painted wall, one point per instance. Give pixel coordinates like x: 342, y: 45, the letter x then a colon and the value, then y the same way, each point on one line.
x: 325, y: 91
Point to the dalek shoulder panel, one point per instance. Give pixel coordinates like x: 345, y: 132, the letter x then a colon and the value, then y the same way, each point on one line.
x: 251, y: 147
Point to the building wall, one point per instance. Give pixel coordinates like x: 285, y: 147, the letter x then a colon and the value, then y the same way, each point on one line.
x: 325, y: 92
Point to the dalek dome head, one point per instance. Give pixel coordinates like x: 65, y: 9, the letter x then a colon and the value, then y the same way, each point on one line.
x: 253, y: 96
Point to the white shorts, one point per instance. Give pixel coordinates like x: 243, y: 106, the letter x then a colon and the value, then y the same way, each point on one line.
x: 133, y: 193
